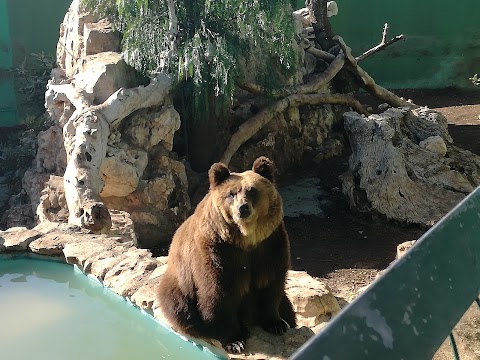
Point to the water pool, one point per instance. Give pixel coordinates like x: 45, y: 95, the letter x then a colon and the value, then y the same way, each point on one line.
x: 50, y: 310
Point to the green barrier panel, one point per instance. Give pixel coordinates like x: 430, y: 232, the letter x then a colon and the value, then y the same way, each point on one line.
x: 8, y: 105
x: 410, y: 310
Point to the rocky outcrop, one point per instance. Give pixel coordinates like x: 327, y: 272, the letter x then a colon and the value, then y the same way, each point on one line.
x: 138, y: 172
x: 405, y: 165
x: 134, y: 274
x: 100, y: 75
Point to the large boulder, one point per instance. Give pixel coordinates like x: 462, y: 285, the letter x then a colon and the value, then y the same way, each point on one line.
x: 404, y: 165
x: 102, y: 74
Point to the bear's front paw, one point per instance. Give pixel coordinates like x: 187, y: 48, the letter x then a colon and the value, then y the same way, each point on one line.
x: 236, y: 347
x: 277, y: 326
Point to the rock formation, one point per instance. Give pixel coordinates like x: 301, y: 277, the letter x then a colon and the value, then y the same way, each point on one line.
x: 110, y: 146
x: 404, y: 165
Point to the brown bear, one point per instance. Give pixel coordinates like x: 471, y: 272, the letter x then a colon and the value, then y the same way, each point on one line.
x: 228, y: 261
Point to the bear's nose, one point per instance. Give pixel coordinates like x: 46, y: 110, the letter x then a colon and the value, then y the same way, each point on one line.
x: 244, y: 211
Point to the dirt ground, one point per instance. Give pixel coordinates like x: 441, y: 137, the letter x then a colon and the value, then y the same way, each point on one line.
x: 347, y: 249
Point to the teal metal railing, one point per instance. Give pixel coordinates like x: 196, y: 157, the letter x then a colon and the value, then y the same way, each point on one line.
x: 412, y: 308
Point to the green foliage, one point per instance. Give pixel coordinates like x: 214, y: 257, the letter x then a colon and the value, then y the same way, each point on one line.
x: 31, y: 77
x: 16, y: 155
x: 214, y: 39
x: 17, y: 149
x: 475, y: 80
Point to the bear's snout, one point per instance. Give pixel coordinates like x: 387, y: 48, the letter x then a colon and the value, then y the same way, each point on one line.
x: 244, y: 211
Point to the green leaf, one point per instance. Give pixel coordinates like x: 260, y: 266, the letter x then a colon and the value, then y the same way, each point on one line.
x: 190, y: 70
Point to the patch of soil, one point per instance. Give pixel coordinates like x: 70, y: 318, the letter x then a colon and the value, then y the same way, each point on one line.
x: 344, y: 248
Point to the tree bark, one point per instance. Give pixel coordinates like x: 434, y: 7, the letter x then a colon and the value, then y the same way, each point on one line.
x: 321, y: 24
x: 85, y: 138
x: 404, y: 165
x: 312, y: 86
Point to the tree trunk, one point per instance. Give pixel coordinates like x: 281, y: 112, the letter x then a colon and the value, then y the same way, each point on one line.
x: 251, y: 126
x: 320, y: 23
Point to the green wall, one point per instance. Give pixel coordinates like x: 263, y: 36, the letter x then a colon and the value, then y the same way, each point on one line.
x: 8, y: 106
x: 442, y: 47
x: 26, y: 26
x: 35, y: 24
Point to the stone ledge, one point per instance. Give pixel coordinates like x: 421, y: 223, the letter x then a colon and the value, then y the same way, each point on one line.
x: 17, y: 239
x: 133, y: 273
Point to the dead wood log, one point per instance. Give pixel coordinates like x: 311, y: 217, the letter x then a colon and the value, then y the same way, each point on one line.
x: 382, y: 45
x: 307, y: 46
x: 368, y: 82
x: 319, y: 19
x: 85, y: 138
x: 254, y: 124
x: 310, y: 87
x: 305, y: 93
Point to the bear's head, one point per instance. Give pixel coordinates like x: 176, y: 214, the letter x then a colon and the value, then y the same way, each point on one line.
x: 249, y: 200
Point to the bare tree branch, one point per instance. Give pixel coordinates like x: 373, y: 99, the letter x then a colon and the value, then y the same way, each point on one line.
x: 306, y: 45
x: 383, y: 44
x: 312, y: 86
x: 368, y: 82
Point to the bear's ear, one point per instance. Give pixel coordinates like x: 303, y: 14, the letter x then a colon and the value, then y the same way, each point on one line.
x: 264, y: 166
x: 217, y: 174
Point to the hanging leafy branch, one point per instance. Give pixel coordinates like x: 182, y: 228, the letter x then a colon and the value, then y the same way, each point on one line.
x: 214, y: 39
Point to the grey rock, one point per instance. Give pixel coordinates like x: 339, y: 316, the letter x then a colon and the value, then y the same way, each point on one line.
x: 146, y: 295
x: 52, y: 244
x: 129, y: 275
x: 90, y: 245
x: 392, y: 174
x: 435, y: 144
x: 103, y: 74
x: 18, y: 238
x: 100, y: 37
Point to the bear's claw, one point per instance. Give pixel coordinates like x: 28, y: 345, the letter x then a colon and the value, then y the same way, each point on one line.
x: 236, y: 347
x: 277, y: 327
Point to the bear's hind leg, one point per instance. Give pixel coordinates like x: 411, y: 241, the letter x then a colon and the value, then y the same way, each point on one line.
x: 180, y: 311
x: 286, y: 312
x: 270, y: 300
x: 226, y: 324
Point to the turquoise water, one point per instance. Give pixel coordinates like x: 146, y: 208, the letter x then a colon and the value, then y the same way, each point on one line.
x: 50, y: 311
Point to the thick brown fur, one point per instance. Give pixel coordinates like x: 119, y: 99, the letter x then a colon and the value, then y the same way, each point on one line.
x: 228, y: 261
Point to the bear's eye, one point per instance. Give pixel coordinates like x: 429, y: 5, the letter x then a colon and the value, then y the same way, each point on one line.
x: 252, y: 192
x: 231, y: 195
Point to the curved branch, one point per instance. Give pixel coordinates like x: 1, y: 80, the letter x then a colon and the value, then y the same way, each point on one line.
x: 254, y: 124
x: 325, y: 77
x: 306, y: 45
x: 312, y: 86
